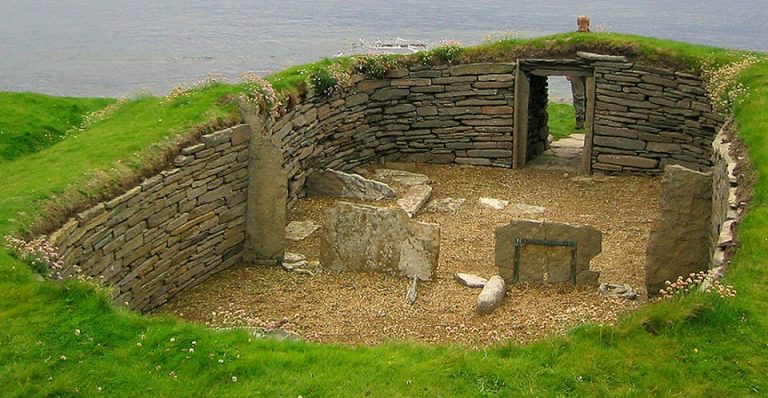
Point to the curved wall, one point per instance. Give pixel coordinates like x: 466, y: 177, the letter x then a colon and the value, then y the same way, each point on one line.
x: 182, y: 226
x: 169, y: 233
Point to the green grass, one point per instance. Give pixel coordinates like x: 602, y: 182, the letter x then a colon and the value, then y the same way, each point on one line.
x: 30, y: 122
x: 697, y: 346
x: 562, y: 120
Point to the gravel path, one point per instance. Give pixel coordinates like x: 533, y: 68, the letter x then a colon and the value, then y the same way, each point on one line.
x: 354, y: 308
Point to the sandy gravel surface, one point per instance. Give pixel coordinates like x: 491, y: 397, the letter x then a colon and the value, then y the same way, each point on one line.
x: 356, y: 308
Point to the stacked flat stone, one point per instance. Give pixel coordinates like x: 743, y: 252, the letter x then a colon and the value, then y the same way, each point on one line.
x: 172, y: 231
x: 648, y: 118
x: 725, y: 206
x: 441, y: 114
x: 538, y: 131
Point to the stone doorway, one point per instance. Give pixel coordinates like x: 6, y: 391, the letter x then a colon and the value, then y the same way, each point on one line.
x: 530, y: 119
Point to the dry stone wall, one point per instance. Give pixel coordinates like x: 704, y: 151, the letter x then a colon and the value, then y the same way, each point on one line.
x: 461, y: 114
x: 187, y: 223
x: 648, y: 118
x: 538, y: 130
x: 725, y: 204
x: 644, y: 120
x: 172, y: 231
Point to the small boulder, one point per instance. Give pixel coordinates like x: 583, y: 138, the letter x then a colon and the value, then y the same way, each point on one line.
x: 470, y: 280
x: 491, y: 296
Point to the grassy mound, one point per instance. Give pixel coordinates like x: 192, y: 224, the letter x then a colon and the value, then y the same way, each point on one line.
x: 30, y: 122
x: 67, y: 339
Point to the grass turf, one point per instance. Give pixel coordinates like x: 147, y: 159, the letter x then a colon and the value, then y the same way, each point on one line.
x: 67, y: 339
x: 562, y: 120
x: 30, y: 122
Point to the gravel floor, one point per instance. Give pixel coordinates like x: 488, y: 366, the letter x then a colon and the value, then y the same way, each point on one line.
x: 367, y: 308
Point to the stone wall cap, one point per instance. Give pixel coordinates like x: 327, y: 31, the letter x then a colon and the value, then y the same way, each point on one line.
x: 601, y: 57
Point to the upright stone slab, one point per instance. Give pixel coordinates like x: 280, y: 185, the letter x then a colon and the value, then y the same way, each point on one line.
x: 368, y: 238
x: 679, y: 239
x: 538, y: 256
x: 267, y: 201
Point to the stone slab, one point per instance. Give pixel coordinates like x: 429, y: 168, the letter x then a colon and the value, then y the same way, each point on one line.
x: 266, y: 202
x: 402, y: 177
x: 492, y: 203
x: 368, y: 238
x: 470, y: 280
x: 414, y: 199
x: 445, y: 205
x: 331, y: 182
x: 678, y: 243
x: 540, y: 263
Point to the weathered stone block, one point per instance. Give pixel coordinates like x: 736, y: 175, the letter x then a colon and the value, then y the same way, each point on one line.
x: 679, y: 238
x: 402, y: 108
x: 491, y: 296
x: 410, y: 82
x: 267, y: 202
x: 537, y: 259
x: 217, y: 137
x: 367, y: 238
x: 489, y: 153
x: 240, y: 135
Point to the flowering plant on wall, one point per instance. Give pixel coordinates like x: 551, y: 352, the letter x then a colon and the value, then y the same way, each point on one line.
x: 699, y: 280
x: 260, y: 92
x: 722, y: 83
x: 39, y: 254
x: 375, y: 65
x: 329, y: 80
x: 447, y: 51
